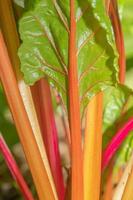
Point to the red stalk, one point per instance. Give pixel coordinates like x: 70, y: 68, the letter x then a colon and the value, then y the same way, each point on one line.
x: 16, y: 173
x: 74, y: 112
x: 115, y: 143
x: 112, y: 9
x: 43, y: 103
x: 63, y: 119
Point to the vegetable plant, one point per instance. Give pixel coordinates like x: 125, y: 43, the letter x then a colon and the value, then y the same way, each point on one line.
x: 66, y: 59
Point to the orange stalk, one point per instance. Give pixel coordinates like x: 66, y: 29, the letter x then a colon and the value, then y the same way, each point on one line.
x: 43, y: 103
x: 93, y: 148
x: 108, y: 193
x: 43, y: 179
x: 74, y: 112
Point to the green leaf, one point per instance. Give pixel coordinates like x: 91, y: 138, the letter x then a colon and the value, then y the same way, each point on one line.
x: 44, y: 52
x: 118, y: 108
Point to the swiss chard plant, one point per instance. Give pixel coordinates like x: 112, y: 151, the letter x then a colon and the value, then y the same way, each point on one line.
x: 65, y: 59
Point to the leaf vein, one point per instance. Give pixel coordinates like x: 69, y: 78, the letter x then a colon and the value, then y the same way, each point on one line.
x: 89, y: 37
x: 87, y: 69
x: 61, y: 15
x: 52, y: 43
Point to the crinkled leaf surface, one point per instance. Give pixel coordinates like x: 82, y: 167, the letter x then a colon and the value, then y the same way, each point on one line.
x: 44, y: 31
x: 118, y: 108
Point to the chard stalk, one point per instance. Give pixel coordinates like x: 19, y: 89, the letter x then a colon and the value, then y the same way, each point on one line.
x: 115, y: 143
x: 43, y: 103
x: 15, y: 171
x: 32, y: 144
x: 93, y: 148
x: 12, y: 42
x: 108, y: 192
x: 74, y: 112
x: 128, y: 192
x: 119, y: 191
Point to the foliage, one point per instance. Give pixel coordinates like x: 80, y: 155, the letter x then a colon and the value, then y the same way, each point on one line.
x: 45, y: 30
x: 43, y: 41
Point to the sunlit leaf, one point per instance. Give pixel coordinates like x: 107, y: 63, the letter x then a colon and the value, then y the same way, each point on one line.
x: 44, y: 52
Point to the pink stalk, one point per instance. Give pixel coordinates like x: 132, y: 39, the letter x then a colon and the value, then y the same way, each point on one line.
x: 16, y: 173
x: 116, y: 142
x: 43, y: 103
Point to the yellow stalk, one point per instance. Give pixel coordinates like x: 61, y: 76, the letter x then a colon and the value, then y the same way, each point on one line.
x: 128, y: 192
x: 123, y: 183
x: 93, y: 148
x: 8, y: 26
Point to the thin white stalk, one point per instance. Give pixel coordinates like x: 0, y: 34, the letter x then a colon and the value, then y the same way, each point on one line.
x: 122, y: 184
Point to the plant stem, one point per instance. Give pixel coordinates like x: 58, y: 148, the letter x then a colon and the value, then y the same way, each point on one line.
x: 115, y: 143
x: 123, y: 181
x: 32, y: 145
x: 12, y: 42
x: 43, y: 103
x: 64, y: 119
x: 93, y: 148
x: 128, y: 192
x: 15, y: 171
x: 119, y: 38
x: 108, y: 193
x: 10, y: 37
x: 74, y: 112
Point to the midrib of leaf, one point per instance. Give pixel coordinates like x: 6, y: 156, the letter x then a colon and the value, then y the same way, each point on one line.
x: 74, y: 112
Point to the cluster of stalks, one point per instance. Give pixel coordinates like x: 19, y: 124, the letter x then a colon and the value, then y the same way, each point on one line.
x: 33, y: 114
